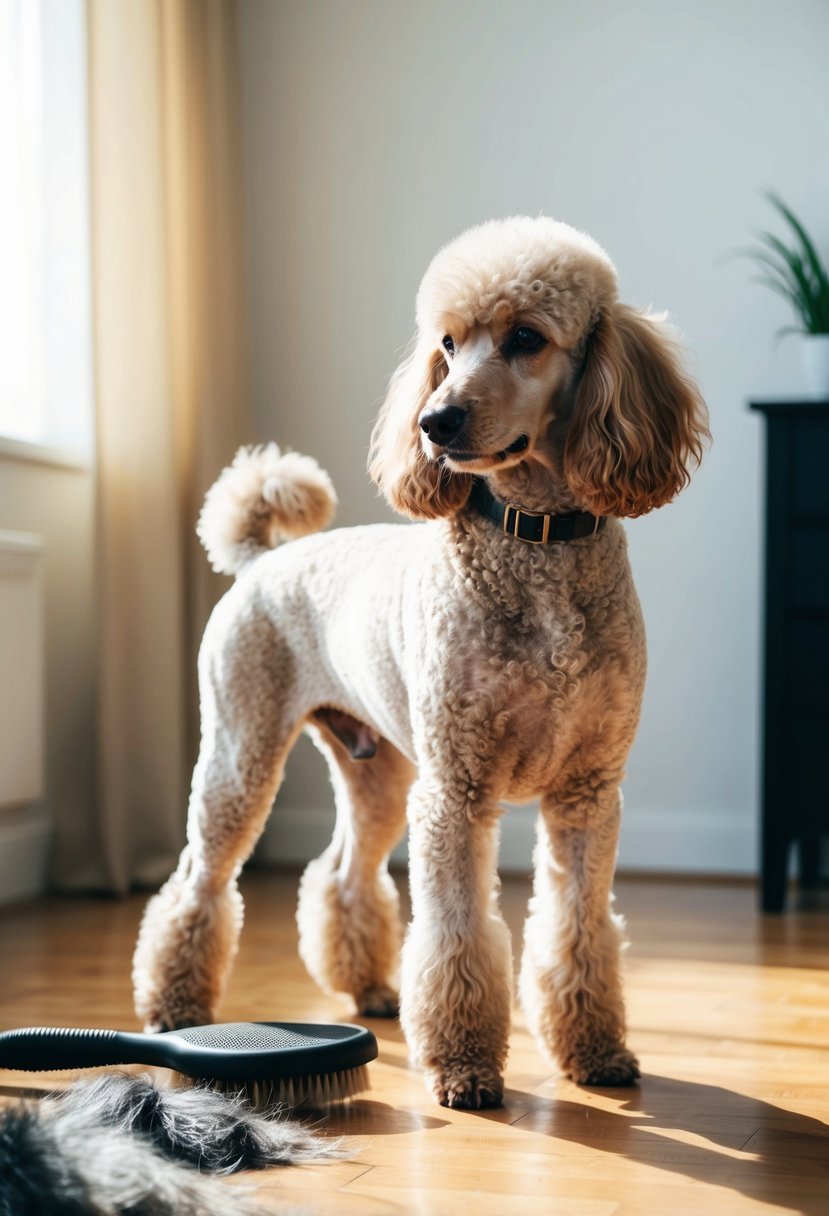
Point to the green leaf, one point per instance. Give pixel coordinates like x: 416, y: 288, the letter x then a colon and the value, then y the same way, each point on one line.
x: 779, y: 288
x: 779, y: 267
x: 796, y: 273
x: 812, y: 256
x: 808, y: 292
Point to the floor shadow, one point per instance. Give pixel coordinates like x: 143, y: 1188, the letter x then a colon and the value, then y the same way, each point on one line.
x: 740, y: 1143
x: 366, y: 1116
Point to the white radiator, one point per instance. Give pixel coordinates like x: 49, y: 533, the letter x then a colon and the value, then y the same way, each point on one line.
x: 21, y: 670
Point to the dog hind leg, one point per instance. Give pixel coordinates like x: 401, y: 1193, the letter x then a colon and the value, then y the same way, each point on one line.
x: 348, y: 918
x: 190, y: 929
x: 570, y: 985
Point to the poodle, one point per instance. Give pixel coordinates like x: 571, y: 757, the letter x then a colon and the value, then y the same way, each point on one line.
x: 493, y: 652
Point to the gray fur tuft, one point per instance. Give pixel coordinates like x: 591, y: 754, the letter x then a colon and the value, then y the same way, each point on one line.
x: 116, y: 1145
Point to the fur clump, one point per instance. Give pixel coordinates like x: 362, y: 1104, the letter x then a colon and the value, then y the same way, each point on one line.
x: 263, y: 497
x: 213, y: 1131
x: 117, y: 1146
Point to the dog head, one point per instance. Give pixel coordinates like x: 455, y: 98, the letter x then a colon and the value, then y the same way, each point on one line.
x: 524, y: 354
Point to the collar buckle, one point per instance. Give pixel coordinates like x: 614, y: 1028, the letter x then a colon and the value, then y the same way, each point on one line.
x: 511, y: 527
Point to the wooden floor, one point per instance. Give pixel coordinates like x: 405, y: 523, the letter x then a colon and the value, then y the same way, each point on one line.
x: 728, y: 1011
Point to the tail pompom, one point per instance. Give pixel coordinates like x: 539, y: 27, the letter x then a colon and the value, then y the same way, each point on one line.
x: 264, y: 496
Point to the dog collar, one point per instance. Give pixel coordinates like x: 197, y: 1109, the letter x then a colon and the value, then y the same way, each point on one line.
x: 533, y: 527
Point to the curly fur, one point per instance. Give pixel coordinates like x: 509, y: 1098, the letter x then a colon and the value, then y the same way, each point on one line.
x: 264, y: 496
x: 117, y: 1145
x: 486, y: 670
x: 622, y: 455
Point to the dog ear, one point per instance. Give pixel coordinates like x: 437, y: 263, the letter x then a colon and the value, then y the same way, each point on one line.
x: 413, y: 484
x: 638, y: 420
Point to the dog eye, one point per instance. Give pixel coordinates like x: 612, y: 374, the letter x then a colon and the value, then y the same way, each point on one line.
x: 524, y: 341
x: 449, y: 344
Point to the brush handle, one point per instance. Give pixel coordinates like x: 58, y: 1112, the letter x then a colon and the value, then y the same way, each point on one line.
x: 42, y: 1048
x: 236, y: 1051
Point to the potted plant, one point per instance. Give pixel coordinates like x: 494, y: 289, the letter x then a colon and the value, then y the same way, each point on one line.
x: 798, y: 274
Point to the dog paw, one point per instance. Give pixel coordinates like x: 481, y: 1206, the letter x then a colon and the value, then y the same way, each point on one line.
x: 176, y: 1016
x: 467, y: 1088
x: 619, y: 1068
x: 378, y: 1002
x: 160, y: 1025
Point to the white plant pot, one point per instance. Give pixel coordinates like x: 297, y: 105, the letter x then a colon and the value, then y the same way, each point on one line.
x: 815, y: 355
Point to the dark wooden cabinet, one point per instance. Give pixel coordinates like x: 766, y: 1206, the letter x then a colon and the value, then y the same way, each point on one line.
x: 796, y: 676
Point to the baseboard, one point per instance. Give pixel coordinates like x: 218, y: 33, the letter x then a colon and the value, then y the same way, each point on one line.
x: 720, y: 842
x: 681, y: 842
x: 25, y: 840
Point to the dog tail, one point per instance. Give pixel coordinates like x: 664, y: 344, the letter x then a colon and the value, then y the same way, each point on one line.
x: 263, y: 497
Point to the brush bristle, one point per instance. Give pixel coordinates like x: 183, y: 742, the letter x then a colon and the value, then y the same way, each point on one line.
x: 291, y: 1094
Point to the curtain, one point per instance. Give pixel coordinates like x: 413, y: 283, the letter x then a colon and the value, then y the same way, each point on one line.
x: 172, y: 403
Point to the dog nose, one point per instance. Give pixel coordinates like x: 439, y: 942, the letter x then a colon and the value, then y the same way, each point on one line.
x: 443, y: 425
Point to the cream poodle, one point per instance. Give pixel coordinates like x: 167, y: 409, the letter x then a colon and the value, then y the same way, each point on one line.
x: 495, y: 652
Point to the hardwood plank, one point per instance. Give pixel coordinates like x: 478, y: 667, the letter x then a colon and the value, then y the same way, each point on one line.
x: 728, y: 1010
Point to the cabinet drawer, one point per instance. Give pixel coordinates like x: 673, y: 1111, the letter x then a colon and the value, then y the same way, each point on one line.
x: 807, y: 667
x: 809, y: 774
x: 809, y: 451
x: 809, y: 566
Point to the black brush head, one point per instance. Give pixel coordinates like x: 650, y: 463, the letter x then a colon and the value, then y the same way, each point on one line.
x: 292, y: 1063
x: 255, y: 1051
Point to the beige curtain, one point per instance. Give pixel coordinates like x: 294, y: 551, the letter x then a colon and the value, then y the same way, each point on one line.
x: 172, y: 402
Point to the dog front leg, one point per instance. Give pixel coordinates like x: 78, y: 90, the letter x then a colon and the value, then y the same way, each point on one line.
x: 570, y: 985
x: 457, y: 971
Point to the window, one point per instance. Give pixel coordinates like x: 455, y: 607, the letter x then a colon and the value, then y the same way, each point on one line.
x: 46, y: 374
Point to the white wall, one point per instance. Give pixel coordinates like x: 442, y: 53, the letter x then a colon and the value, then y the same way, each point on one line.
x: 377, y: 130
x: 55, y: 501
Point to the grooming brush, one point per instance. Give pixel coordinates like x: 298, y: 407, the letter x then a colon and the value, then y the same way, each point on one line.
x: 288, y: 1064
